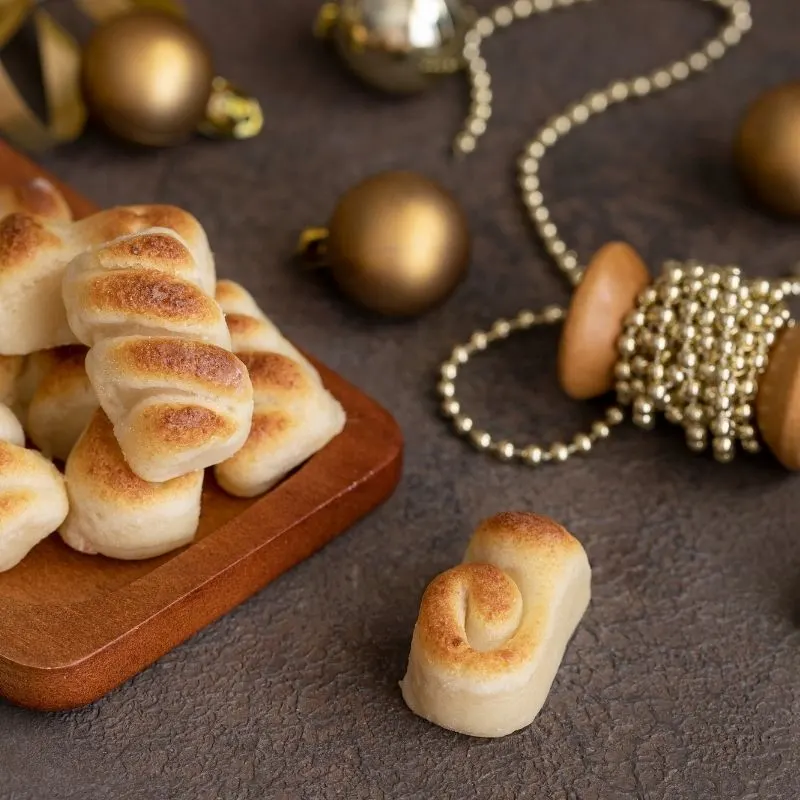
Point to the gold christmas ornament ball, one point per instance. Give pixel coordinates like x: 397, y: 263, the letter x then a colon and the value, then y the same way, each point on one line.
x: 398, y: 46
x: 147, y: 77
x: 768, y: 148
x: 397, y: 243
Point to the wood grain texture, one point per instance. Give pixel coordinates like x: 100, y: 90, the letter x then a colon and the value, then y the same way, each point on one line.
x: 74, y: 626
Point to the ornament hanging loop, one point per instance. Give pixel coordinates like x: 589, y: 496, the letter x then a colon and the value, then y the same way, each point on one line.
x: 230, y: 113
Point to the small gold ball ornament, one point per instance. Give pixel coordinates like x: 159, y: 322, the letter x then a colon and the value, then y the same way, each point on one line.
x: 768, y: 148
x: 397, y: 243
x: 147, y: 77
x: 398, y: 46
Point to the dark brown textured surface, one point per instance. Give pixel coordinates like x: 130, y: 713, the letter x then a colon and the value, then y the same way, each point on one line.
x: 682, y: 681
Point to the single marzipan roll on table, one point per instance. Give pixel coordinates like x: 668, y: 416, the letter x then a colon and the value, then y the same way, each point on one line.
x: 115, y: 513
x: 294, y: 415
x: 33, y: 498
x: 492, y: 632
x: 35, y: 250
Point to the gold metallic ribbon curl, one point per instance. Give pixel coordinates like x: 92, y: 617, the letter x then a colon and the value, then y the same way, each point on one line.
x: 230, y: 114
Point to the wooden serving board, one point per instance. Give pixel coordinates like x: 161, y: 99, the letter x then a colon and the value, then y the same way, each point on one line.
x: 73, y: 627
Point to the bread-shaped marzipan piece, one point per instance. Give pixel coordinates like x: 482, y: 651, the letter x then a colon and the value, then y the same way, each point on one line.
x: 145, y: 283
x: 115, y: 513
x: 159, y: 359
x: 492, y: 631
x: 35, y: 367
x: 33, y: 499
x: 294, y: 415
x: 11, y: 429
x: 11, y: 370
x: 62, y: 400
x: 34, y: 252
x: 177, y: 405
x: 37, y: 196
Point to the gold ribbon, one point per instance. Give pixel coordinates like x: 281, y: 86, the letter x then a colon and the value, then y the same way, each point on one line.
x: 231, y: 113
x: 60, y: 59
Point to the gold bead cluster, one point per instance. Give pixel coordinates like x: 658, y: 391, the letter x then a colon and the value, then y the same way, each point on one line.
x: 694, y: 349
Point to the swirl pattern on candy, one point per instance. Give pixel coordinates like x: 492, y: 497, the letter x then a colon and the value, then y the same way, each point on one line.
x: 492, y: 632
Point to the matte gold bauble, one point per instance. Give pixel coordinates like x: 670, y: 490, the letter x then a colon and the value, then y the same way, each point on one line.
x: 397, y: 243
x: 147, y: 77
x: 399, y: 46
x: 768, y: 148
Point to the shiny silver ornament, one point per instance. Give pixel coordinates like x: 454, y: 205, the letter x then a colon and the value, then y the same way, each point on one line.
x: 398, y: 46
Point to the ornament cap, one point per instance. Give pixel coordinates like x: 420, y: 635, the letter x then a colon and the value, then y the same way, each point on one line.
x: 778, y: 400
x: 231, y: 113
x: 588, y: 349
x: 312, y: 246
x: 327, y: 17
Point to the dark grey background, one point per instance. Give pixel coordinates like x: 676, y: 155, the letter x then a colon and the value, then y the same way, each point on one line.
x: 682, y: 681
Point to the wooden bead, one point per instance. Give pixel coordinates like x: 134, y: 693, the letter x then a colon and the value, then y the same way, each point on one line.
x: 588, y: 349
x: 778, y: 400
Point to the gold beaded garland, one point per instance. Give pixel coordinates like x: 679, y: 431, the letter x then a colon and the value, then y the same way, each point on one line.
x: 698, y: 340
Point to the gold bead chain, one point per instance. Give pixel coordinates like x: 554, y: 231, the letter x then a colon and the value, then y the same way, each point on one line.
x: 657, y: 397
